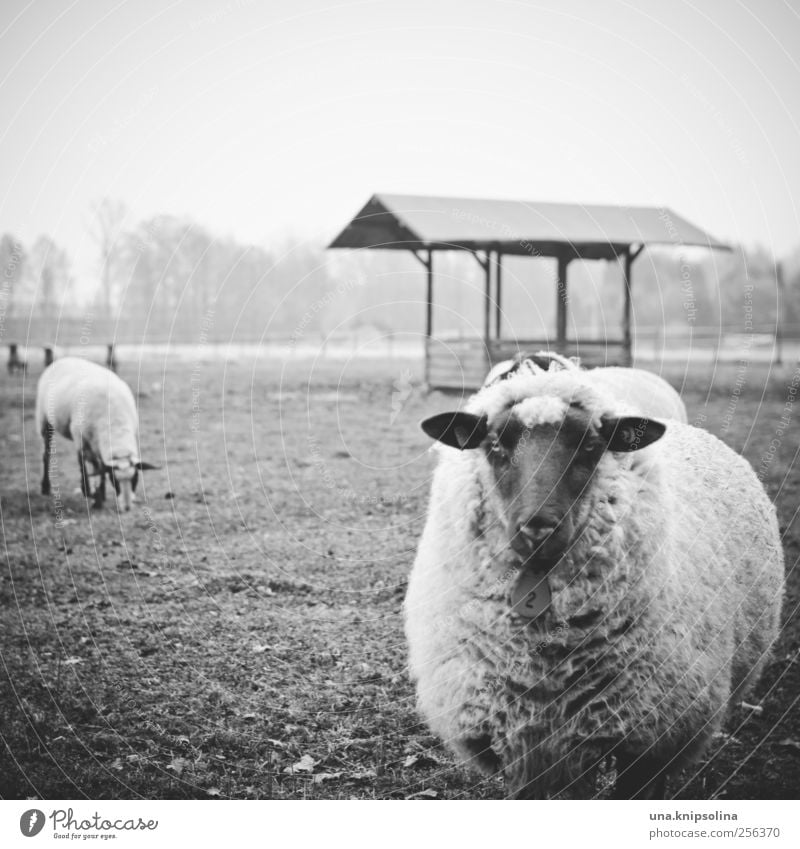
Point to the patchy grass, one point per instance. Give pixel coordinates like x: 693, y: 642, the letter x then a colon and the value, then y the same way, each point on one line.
x: 239, y: 633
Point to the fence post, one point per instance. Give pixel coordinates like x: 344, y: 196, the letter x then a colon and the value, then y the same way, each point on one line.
x: 778, y: 347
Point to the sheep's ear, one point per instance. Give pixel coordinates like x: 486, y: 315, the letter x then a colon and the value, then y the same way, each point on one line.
x: 630, y: 433
x: 542, y: 360
x: 145, y: 467
x: 458, y: 430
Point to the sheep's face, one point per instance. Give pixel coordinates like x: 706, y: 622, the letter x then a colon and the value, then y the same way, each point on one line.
x: 540, y: 461
x: 541, y: 473
x: 124, y: 474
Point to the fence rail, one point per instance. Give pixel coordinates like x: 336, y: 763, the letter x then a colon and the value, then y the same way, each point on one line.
x: 452, y: 358
x: 38, y: 331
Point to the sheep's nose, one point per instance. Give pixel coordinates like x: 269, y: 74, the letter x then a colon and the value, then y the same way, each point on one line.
x: 536, y: 530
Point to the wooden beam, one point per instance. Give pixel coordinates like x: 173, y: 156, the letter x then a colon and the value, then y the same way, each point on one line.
x: 626, y: 310
x: 483, y: 263
x: 562, y: 299
x: 498, y: 294
x: 423, y: 258
x: 634, y: 252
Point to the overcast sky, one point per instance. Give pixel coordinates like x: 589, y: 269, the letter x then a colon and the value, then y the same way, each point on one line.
x: 263, y: 119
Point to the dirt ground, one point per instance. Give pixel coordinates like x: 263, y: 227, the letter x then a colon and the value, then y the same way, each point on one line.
x: 239, y: 633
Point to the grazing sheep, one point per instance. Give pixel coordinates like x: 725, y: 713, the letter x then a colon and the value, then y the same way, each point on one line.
x: 94, y: 408
x: 646, y: 392
x: 589, y: 584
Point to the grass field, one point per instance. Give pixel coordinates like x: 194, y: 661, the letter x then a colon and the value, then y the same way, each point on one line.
x: 239, y: 633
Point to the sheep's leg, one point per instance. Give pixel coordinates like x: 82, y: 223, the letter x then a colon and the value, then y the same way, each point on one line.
x: 100, y: 492
x: 640, y: 777
x: 481, y: 754
x: 658, y: 787
x: 47, y: 438
x: 86, y: 489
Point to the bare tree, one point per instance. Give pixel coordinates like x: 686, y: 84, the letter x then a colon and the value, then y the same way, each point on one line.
x: 12, y: 266
x: 108, y: 218
x: 50, y: 268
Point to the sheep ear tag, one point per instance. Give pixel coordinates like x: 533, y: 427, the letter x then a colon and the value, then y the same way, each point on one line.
x: 531, y: 595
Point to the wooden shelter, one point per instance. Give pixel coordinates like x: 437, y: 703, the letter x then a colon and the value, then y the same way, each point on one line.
x: 493, y: 229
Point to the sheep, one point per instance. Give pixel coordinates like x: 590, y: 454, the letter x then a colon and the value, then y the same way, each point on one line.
x: 94, y: 408
x: 642, y: 389
x: 592, y: 589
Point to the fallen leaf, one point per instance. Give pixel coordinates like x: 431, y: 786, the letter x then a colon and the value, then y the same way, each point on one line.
x: 754, y: 708
x: 213, y: 791
x: 305, y: 764
x: 428, y: 793
x: 325, y: 776
x: 178, y: 765
x: 420, y: 759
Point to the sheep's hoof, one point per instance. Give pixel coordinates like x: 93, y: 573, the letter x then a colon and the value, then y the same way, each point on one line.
x: 481, y: 754
x: 640, y: 779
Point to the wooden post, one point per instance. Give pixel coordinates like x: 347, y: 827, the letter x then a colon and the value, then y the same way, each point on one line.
x: 429, y: 296
x: 562, y: 300
x: 48, y: 357
x: 778, y: 315
x: 111, y: 360
x: 486, y: 265
x: 487, y: 303
x: 498, y: 289
x: 428, y: 263
x: 15, y: 362
x: 626, y: 310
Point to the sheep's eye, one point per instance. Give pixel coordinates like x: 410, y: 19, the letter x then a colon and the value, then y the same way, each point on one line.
x: 590, y: 449
x: 497, y: 452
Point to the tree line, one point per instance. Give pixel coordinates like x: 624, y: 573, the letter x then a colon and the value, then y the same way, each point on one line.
x: 167, y: 277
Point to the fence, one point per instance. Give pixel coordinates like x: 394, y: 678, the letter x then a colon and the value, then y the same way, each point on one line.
x: 651, y: 345
x: 765, y: 343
